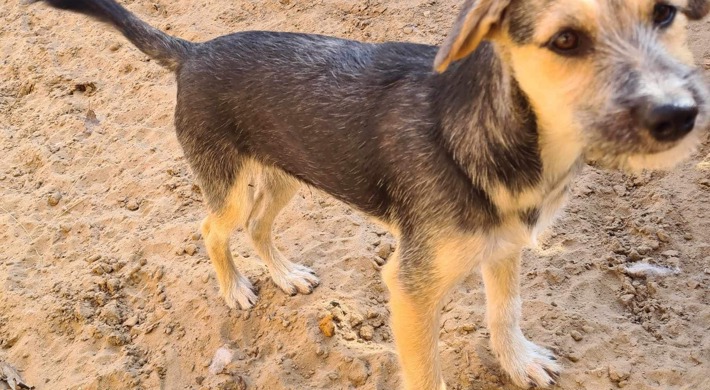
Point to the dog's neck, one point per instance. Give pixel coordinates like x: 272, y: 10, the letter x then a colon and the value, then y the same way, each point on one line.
x: 490, y: 128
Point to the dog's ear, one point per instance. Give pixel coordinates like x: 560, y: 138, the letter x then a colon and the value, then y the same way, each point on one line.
x: 697, y: 9
x: 472, y: 25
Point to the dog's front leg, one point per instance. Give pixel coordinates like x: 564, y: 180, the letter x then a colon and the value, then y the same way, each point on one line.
x: 416, y: 296
x: 527, y: 364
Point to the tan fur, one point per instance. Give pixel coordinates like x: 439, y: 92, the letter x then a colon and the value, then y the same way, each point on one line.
x: 552, y: 86
x: 415, y: 325
x: 273, y: 191
x: 415, y: 317
x: 216, y: 231
x: 520, y: 358
x: 255, y: 200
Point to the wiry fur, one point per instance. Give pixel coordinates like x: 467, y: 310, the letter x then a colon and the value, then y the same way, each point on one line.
x: 465, y: 164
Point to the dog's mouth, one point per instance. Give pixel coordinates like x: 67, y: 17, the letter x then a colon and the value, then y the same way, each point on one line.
x: 638, y: 151
x: 653, y: 157
x: 625, y: 141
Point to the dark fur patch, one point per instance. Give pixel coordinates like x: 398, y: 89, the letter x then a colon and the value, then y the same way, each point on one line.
x: 530, y: 216
x: 521, y: 22
x: 697, y: 9
x: 494, y: 137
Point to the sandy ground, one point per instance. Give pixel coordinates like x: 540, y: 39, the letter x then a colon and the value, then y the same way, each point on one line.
x: 105, y: 283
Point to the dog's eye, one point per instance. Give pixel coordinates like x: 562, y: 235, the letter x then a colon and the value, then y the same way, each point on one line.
x: 566, y: 42
x: 663, y: 15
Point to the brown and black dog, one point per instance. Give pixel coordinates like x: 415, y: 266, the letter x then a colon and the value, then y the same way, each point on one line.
x: 466, y: 151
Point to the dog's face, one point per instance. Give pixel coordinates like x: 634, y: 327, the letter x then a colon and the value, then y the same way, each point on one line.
x: 613, y: 78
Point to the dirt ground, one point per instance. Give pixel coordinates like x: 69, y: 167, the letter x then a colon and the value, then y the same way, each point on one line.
x: 105, y: 283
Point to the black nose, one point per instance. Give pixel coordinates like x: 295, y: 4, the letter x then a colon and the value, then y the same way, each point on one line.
x: 669, y: 122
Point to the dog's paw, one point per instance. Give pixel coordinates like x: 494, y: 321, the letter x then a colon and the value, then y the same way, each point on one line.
x: 240, y: 295
x: 298, y: 279
x: 530, y: 366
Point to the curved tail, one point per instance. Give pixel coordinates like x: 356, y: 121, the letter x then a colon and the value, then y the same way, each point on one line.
x: 166, y: 50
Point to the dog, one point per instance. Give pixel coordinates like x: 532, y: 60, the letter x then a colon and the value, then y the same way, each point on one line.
x: 465, y: 151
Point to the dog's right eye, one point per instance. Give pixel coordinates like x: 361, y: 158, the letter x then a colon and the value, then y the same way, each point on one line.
x: 568, y: 43
x: 663, y: 15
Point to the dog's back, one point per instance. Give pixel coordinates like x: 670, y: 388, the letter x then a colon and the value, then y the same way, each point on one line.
x: 309, y: 103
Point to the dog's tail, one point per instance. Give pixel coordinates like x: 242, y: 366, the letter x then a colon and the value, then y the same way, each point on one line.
x: 166, y: 50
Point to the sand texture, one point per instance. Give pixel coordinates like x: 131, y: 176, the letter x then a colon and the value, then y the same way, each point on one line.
x: 105, y: 282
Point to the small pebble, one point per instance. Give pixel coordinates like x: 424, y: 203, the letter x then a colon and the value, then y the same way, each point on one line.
x: 93, y: 258
x: 408, y: 29
x: 468, y: 327
x: 367, y: 332
x: 643, y: 249
x: 634, y: 255
x: 191, y: 249
x: 626, y: 298
x: 54, y: 198
x: 384, y: 250
x: 663, y: 236
x: 355, y: 319
x: 113, y: 285
x: 131, y: 322
x: 619, y: 371
x: 576, y: 335
x: 132, y: 205
x: 327, y: 326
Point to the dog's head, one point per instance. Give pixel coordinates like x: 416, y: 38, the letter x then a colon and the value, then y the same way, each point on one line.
x: 613, y: 78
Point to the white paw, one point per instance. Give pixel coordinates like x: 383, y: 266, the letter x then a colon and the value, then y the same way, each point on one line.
x: 298, y: 279
x: 529, y: 365
x: 240, y: 295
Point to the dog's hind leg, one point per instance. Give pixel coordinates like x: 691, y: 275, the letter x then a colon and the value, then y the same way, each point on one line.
x: 527, y: 364
x: 274, y: 189
x: 416, y: 298
x: 206, y: 133
x: 217, y: 229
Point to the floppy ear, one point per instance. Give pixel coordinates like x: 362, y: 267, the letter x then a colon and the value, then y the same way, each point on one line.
x: 697, y: 9
x: 473, y: 23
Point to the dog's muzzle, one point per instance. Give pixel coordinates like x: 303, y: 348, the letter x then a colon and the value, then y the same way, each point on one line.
x: 667, y: 122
